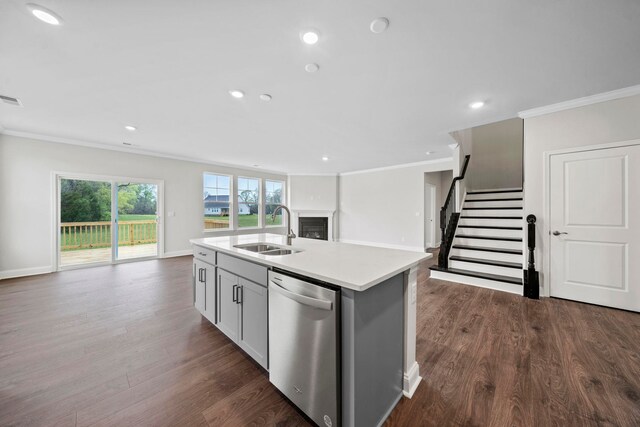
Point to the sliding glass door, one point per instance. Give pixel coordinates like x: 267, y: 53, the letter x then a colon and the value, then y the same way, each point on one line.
x: 106, y: 220
x: 85, y: 222
x: 137, y: 219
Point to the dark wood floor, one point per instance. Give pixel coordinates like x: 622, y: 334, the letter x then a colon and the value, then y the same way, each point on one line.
x: 122, y: 345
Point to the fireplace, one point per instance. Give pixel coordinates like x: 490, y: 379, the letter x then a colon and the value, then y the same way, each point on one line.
x: 312, y: 227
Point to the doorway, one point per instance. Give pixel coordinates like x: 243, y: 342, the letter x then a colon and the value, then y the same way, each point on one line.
x: 429, y: 216
x: 594, y: 226
x: 103, y: 220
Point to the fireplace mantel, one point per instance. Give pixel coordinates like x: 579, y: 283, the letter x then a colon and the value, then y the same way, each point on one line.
x: 297, y: 213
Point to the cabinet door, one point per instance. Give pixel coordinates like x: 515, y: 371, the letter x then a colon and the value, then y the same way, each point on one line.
x: 210, y: 292
x: 199, y: 272
x: 253, y: 323
x: 227, y: 305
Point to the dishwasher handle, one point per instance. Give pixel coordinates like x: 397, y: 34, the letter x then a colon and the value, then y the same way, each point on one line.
x: 312, y: 302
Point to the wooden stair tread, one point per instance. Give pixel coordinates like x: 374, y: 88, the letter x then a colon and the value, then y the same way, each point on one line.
x: 507, y: 239
x: 495, y: 277
x: 494, y: 191
x: 487, y: 249
x: 491, y: 227
x: 487, y: 262
x: 510, y: 199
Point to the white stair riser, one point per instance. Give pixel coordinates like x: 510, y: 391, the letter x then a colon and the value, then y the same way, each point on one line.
x: 496, y: 256
x: 509, y: 195
x: 488, y: 243
x: 492, y: 212
x: 483, y: 268
x: 474, y: 281
x: 492, y: 222
x: 491, y: 232
x: 498, y: 203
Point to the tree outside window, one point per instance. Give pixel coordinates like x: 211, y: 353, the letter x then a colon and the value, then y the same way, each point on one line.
x: 274, y: 196
x: 248, y: 202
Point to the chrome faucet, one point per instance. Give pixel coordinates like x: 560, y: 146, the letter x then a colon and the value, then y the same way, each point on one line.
x: 290, y: 235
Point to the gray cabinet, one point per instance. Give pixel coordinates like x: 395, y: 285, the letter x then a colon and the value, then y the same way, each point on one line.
x: 232, y: 294
x: 242, y: 314
x: 227, y: 304
x: 204, y: 275
x: 253, y: 320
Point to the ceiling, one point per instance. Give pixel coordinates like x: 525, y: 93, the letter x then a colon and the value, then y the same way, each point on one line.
x: 378, y: 100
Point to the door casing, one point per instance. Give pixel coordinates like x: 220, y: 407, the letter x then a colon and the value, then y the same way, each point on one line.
x: 56, y: 176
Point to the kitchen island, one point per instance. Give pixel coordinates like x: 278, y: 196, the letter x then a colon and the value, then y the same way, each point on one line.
x: 376, y: 312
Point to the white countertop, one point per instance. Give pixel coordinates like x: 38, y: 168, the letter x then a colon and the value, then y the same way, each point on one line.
x: 356, y: 267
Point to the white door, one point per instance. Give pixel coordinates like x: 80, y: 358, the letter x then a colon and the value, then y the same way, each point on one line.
x: 429, y: 216
x: 595, y: 227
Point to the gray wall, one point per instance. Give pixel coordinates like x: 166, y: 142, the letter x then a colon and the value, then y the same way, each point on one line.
x: 26, y: 210
x: 496, y: 154
x: 601, y: 123
x: 313, y: 192
x: 385, y: 207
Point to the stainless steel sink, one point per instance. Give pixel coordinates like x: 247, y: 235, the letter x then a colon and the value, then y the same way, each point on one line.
x: 257, y: 247
x: 266, y: 249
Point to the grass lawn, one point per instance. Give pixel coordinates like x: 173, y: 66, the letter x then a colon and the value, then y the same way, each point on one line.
x: 136, y: 217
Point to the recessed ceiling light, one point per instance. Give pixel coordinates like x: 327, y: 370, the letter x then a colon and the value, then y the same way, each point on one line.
x: 325, y: 158
x: 428, y: 153
x: 44, y: 14
x: 477, y: 104
x: 130, y: 128
x: 265, y: 97
x: 236, y: 93
x: 379, y: 25
x: 127, y: 143
x: 310, y: 36
x: 311, y: 68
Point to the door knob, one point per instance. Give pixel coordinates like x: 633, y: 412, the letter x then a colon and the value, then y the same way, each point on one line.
x: 557, y: 233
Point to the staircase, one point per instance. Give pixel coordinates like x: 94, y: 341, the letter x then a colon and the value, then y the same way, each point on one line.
x: 487, y: 245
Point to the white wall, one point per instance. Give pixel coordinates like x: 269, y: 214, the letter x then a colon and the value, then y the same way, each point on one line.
x: 313, y: 192
x: 385, y: 207
x: 26, y: 210
x: 601, y: 123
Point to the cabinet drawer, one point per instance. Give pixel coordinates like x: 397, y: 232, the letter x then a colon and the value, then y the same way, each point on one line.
x: 205, y: 254
x: 254, y: 272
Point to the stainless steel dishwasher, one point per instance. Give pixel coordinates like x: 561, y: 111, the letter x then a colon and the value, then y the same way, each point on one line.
x: 304, y: 345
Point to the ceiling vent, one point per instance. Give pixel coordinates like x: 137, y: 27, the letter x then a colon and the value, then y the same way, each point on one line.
x: 11, y: 101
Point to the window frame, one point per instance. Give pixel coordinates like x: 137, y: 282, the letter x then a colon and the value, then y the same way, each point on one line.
x: 282, y: 197
x: 232, y: 209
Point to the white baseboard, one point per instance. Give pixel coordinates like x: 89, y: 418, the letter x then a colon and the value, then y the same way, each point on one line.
x: 411, y: 380
x: 383, y: 245
x: 178, y: 253
x: 21, y: 272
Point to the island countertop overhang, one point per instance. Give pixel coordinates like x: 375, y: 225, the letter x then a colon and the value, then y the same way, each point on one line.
x: 355, y: 267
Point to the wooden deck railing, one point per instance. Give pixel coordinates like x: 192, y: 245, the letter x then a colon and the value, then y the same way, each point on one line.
x: 84, y: 235
x: 210, y: 223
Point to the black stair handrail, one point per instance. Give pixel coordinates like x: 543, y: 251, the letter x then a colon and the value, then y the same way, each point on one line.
x: 531, y: 280
x: 449, y: 218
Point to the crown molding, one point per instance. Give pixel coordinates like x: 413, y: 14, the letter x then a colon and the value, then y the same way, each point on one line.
x: 581, y: 102
x: 402, y: 166
x: 131, y: 150
x: 312, y: 174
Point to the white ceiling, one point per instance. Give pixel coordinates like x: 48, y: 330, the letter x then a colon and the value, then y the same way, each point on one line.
x: 166, y: 66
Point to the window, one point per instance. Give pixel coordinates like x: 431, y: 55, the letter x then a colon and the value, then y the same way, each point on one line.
x: 274, y: 196
x: 217, y: 201
x: 248, y: 202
